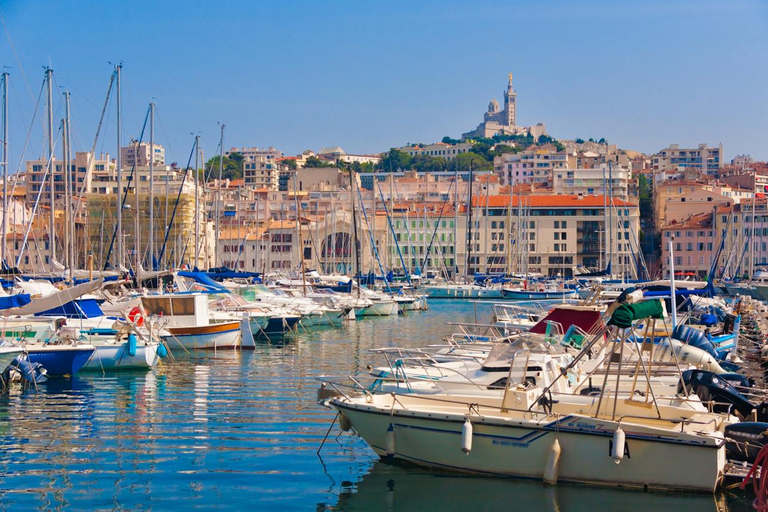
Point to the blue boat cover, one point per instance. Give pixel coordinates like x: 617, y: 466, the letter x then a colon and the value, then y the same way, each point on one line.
x: 78, y: 308
x: 202, y: 278
x: 15, y: 301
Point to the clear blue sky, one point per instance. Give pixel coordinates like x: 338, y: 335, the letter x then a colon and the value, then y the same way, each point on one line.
x: 372, y: 75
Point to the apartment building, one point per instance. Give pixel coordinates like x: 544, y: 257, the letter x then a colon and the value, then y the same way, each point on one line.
x: 704, y: 159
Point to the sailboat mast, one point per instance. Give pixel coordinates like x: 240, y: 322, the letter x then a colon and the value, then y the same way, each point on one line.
x: 118, y: 99
x: 610, y: 213
x: 66, y: 169
x: 197, y: 198
x: 5, y: 167
x: 469, y: 223
x: 136, y: 215
x: 354, y: 228
x: 152, y: 185
x: 218, y: 196
x: 52, y: 225
x: 455, y: 225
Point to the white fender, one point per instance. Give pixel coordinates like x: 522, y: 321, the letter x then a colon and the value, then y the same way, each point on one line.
x: 390, y: 445
x: 553, y: 460
x: 619, y: 440
x: 466, y: 437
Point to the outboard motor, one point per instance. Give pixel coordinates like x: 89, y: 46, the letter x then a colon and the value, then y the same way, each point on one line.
x: 695, y: 338
x: 744, y: 440
x: 712, y: 387
x: 34, y: 373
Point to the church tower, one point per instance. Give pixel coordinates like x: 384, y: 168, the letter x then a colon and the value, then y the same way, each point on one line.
x: 510, y: 104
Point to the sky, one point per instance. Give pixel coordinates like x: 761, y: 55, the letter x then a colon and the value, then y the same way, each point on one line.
x: 368, y: 76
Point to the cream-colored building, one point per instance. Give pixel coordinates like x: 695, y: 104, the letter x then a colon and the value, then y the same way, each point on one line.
x: 439, y: 149
x: 703, y: 159
x: 594, y: 181
x: 139, y: 154
x: 551, y: 235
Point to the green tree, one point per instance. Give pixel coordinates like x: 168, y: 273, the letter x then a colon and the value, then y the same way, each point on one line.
x: 232, y: 166
x: 464, y: 161
x: 644, y: 191
x: 426, y: 163
x: 395, y: 160
x: 290, y: 163
x: 448, y: 140
x: 579, y: 141
x: 313, y: 162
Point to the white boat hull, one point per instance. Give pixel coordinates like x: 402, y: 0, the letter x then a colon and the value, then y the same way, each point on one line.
x: 117, y: 357
x: 520, y: 448
x: 214, y: 336
x: 378, y: 308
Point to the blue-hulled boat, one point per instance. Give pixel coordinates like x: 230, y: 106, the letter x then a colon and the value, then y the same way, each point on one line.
x: 60, y: 360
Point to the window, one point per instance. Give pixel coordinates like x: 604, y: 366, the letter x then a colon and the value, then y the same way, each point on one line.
x: 564, y: 225
x: 557, y: 246
x: 557, y: 237
x: 557, y: 224
x: 563, y: 235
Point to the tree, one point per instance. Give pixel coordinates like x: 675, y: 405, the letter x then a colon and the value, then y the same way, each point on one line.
x: 500, y: 149
x: 232, y: 166
x: 602, y: 141
x: 290, y: 163
x: 464, y: 161
x: 395, y: 160
x: 448, y: 140
x: 313, y: 162
x: 426, y: 163
x: 579, y: 141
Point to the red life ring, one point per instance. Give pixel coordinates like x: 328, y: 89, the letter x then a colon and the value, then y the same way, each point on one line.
x: 136, y: 317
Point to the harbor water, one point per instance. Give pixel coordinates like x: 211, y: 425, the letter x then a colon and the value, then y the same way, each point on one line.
x: 241, y: 430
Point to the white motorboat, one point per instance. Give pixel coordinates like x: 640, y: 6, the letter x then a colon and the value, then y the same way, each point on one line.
x: 190, y: 324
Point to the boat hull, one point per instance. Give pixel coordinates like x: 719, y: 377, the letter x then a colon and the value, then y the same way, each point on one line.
x: 535, y: 295
x: 117, y: 357
x: 520, y: 448
x: 462, y: 292
x: 59, y: 360
x: 381, y: 308
x: 214, y: 336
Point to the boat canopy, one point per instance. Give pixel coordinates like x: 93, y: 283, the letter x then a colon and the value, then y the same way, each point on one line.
x: 625, y: 314
x: 14, y: 301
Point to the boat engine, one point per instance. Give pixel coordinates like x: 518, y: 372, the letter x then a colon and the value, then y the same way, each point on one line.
x: 710, y: 387
x: 744, y: 440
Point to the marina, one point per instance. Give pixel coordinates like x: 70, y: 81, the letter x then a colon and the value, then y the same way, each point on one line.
x: 242, y: 427
x: 534, y: 277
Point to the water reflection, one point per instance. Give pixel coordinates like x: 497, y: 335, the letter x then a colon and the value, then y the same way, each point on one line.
x: 393, y: 488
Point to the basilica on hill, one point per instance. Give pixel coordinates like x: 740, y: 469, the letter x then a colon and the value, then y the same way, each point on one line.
x: 498, y: 121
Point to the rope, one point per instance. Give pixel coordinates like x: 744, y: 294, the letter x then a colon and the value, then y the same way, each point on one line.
x: 759, y: 483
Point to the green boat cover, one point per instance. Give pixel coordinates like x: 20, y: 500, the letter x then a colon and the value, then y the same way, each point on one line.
x: 625, y: 314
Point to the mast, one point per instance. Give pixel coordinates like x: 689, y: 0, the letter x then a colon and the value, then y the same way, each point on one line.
x: 301, y: 242
x: 509, y: 232
x: 455, y: 226
x: 52, y: 225
x: 197, y: 199
x: 218, y: 196
x: 610, y: 212
x: 5, y: 167
x: 118, y: 96
x: 66, y: 168
x: 469, y: 223
x: 354, y: 228
x: 136, y: 213
x: 152, y: 185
